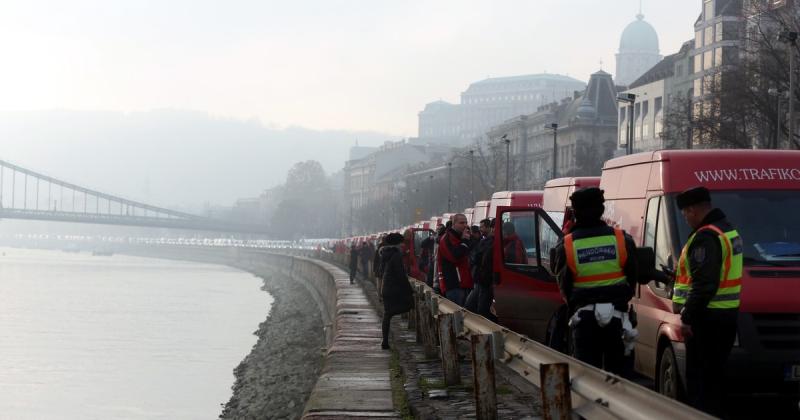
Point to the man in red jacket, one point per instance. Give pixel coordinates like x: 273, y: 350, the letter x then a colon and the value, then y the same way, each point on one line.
x: 455, y: 280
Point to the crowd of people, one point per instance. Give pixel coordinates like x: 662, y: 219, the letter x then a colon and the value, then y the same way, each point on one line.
x: 597, y: 268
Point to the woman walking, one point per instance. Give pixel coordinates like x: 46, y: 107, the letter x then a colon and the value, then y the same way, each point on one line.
x: 395, y: 289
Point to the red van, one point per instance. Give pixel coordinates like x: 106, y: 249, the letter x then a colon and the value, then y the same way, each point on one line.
x: 481, y: 211
x: 556, y: 197
x: 759, y: 191
x: 526, y: 296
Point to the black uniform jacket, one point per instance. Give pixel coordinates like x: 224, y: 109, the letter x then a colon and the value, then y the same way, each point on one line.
x: 705, y: 263
x: 619, y: 295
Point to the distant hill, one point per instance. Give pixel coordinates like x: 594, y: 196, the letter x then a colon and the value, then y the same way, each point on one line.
x: 179, y: 159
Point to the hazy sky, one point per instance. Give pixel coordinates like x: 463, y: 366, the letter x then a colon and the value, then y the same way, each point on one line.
x: 324, y: 64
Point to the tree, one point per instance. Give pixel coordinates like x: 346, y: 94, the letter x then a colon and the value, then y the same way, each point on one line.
x: 306, y: 209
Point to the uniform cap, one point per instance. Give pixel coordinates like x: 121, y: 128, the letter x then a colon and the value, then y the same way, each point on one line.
x: 693, y: 196
x: 587, y: 197
x: 394, y: 239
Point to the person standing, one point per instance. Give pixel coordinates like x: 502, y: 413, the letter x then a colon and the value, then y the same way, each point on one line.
x: 596, y: 267
x: 706, y: 294
x: 453, y: 259
x: 395, y: 289
x: 481, y: 297
x: 353, y: 262
x: 364, y: 255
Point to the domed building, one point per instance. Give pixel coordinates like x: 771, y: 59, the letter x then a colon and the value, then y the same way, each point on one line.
x: 638, y: 51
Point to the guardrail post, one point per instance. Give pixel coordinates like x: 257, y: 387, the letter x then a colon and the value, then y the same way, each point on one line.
x: 434, y: 303
x: 412, y: 316
x: 449, y: 350
x: 556, y: 396
x: 483, y: 380
x: 418, y: 311
x: 429, y: 330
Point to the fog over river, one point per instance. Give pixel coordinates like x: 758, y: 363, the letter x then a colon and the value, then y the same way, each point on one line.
x: 100, y: 337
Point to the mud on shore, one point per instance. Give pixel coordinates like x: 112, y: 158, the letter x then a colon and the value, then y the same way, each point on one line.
x: 276, y: 378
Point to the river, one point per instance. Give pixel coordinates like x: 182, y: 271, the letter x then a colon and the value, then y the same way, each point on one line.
x: 122, y: 337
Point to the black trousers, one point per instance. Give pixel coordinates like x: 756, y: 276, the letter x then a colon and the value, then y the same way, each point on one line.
x: 353, y: 270
x: 601, y: 347
x: 387, y: 323
x: 707, y: 353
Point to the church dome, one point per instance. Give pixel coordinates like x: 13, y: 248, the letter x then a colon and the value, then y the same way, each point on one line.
x: 639, y: 36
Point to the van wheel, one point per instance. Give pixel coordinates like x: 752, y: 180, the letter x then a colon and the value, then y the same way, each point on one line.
x: 669, y: 381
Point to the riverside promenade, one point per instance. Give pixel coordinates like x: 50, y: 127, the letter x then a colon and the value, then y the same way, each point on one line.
x: 355, y: 380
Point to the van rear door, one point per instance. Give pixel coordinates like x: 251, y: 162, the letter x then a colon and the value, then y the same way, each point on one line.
x: 527, y: 296
x: 418, y: 257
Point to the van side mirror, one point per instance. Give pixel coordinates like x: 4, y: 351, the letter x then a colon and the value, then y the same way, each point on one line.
x: 646, y: 259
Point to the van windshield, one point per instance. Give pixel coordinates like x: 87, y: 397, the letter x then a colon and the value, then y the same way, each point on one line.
x: 768, y: 222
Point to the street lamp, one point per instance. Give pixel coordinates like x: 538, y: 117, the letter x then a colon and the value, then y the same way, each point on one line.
x: 449, y: 185
x: 472, y: 175
x: 508, y: 160
x: 554, y: 127
x: 433, y: 200
x: 777, y: 139
x: 790, y: 38
x: 630, y: 99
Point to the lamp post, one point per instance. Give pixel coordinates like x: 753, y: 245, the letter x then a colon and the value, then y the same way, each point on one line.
x: 472, y: 176
x: 508, y: 161
x: 790, y: 38
x: 776, y: 141
x: 430, y: 177
x: 554, y: 127
x: 630, y: 99
x: 449, y: 185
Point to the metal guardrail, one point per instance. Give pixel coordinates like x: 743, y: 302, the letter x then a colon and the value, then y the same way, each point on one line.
x: 593, y: 393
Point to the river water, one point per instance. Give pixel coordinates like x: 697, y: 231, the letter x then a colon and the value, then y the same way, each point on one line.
x: 121, y: 337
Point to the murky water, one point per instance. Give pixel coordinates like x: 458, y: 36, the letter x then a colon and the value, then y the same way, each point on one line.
x: 91, y: 337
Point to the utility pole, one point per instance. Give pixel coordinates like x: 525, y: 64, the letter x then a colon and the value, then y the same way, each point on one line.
x: 472, y: 176
x: 508, y: 161
x: 449, y: 186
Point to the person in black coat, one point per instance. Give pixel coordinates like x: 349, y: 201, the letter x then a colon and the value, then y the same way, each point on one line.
x: 395, y: 289
x: 353, y: 261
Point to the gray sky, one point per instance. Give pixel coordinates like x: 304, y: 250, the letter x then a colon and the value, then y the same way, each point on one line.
x: 325, y: 64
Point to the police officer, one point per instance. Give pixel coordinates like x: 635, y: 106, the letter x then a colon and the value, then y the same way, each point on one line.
x: 706, y: 293
x: 596, y: 266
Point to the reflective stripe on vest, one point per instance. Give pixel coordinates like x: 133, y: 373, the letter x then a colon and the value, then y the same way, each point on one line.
x: 597, y: 261
x: 730, y: 276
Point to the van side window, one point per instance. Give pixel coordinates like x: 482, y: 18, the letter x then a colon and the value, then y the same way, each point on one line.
x: 656, y: 236
x: 519, y: 238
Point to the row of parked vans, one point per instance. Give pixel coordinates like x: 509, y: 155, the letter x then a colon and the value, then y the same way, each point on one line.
x: 759, y: 190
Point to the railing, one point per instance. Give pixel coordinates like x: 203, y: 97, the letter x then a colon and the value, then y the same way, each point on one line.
x: 584, y: 390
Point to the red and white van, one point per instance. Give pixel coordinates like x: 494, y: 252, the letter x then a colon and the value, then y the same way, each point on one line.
x: 759, y: 191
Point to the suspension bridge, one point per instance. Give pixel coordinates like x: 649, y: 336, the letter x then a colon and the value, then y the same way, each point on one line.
x: 30, y: 195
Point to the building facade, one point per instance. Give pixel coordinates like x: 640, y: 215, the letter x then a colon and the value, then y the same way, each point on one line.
x: 667, y: 85
x: 490, y: 102
x: 586, y: 135
x: 638, y: 51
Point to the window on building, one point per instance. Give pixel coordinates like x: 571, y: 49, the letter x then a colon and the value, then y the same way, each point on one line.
x: 698, y: 39
x: 708, y: 59
x: 679, y: 70
x: 698, y: 86
x: 698, y: 63
x: 708, y: 9
x: 718, y: 32
x: 708, y: 37
x: 659, y: 117
x: 637, y: 113
x: 717, y: 57
x: 646, y: 119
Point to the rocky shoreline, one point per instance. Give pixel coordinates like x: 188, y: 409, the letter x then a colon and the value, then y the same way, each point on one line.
x: 276, y: 378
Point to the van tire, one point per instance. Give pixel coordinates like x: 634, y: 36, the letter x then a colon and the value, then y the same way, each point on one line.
x: 669, y: 380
